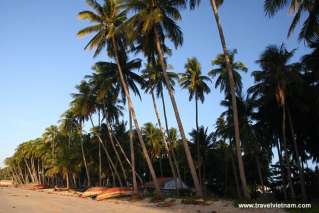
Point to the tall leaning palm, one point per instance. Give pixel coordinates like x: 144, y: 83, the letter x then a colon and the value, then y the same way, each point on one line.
x: 107, y: 71
x: 153, y: 81
x: 196, y: 84
x: 215, y: 4
x: 154, y: 21
x: 83, y: 105
x: 107, y: 19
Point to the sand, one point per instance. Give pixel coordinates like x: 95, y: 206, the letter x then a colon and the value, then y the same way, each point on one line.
x: 16, y: 200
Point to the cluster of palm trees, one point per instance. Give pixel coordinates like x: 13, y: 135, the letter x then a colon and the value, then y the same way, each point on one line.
x: 245, y: 134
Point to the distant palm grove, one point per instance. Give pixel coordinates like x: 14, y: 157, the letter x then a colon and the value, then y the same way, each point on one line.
x: 265, y: 141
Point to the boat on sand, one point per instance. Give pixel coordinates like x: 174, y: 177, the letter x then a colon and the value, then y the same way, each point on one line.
x: 114, y: 192
x: 93, y: 191
x: 32, y: 186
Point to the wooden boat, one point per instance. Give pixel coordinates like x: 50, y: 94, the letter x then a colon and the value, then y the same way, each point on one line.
x: 39, y: 186
x: 32, y: 186
x: 5, y: 183
x: 93, y: 191
x: 114, y: 192
x: 60, y: 189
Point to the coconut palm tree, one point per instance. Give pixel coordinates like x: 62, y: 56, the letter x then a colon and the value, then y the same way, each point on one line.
x: 203, y: 140
x: 50, y: 136
x: 153, y: 81
x: 105, y: 76
x: 224, y: 84
x: 311, y: 64
x: 215, y: 4
x: 196, y: 84
x: 153, y: 138
x: 155, y: 20
x: 223, y: 131
x: 299, y: 8
x: 107, y: 102
x: 221, y: 73
x: 85, y: 102
x: 273, y: 83
x: 107, y: 19
x: 83, y: 105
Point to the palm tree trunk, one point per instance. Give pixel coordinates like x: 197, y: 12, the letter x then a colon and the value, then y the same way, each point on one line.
x: 67, y: 180
x: 19, y: 174
x: 17, y: 177
x: 42, y: 173
x: 124, y: 154
x: 136, y: 124
x: 282, y: 170
x: 199, y: 161
x: 301, y: 171
x: 34, y: 173
x: 169, y: 142
x: 234, y: 170
x: 112, y: 173
x: 165, y: 142
x: 74, y: 181
x: 135, y: 189
x: 112, y: 165
x: 85, y: 163
x: 198, y: 188
x: 287, y: 164
x: 126, y: 158
x: 100, y: 160
x: 261, y: 180
x: 24, y: 177
x: 100, y: 166
x: 108, y: 154
x: 38, y: 171
x: 116, y: 152
x: 29, y: 170
x: 234, y: 103
x: 225, y: 171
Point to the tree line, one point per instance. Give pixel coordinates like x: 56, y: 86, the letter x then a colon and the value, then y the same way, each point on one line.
x: 279, y: 113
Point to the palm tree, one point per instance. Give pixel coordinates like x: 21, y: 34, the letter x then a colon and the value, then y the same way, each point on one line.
x: 154, y: 21
x: 222, y: 76
x: 85, y: 102
x: 195, y: 83
x: 107, y: 102
x: 298, y: 8
x: 203, y: 140
x: 215, y: 4
x: 153, y: 81
x: 108, y: 18
x: 83, y: 105
x: 223, y: 131
x: 311, y: 64
x: 50, y: 136
x: 153, y: 138
x: 273, y: 80
x: 106, y: 76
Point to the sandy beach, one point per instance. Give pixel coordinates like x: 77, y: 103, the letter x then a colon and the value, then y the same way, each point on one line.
x: 17, y: 200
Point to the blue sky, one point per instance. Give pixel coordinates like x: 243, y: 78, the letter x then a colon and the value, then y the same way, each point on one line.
x: 41, y: 60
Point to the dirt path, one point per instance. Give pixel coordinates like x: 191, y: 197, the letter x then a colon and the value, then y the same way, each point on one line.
x: 13, y: 200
